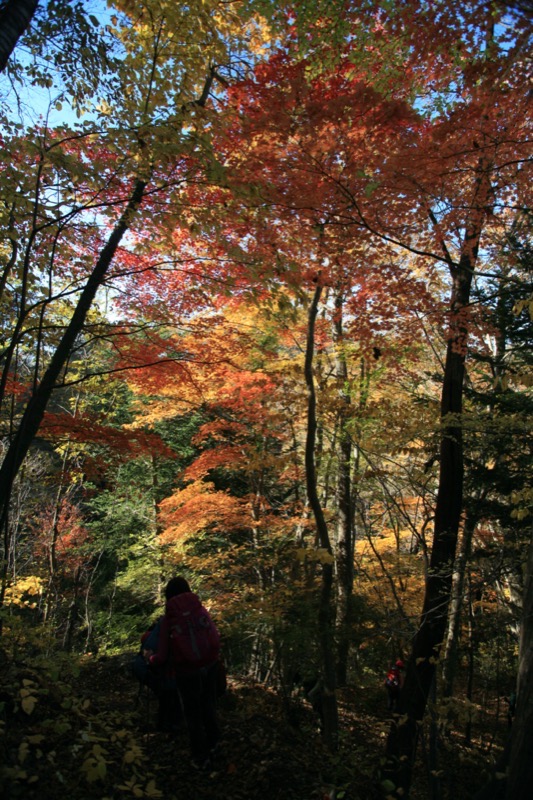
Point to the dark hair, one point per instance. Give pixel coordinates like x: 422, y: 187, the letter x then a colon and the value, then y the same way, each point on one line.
x: 176, y: 586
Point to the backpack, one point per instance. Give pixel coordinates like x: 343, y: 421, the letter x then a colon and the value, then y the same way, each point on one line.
x: 149, y: 641
x: 392, y: 681
x: 194, y: 641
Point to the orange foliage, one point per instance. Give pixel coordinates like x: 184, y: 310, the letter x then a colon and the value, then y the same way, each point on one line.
x: 199, y: 507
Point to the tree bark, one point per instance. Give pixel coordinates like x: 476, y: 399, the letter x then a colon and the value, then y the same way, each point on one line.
x: 325, y: 612
x: 344, y: 540
x: 454, y: 623
x: 404, y: 731
x: 520, y: 772
x: 15, y: 16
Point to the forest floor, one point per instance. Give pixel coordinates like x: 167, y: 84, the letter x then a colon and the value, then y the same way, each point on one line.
x: 89, y: 735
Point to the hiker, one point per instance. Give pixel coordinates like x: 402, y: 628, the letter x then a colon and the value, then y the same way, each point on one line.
x: 311, y: 687
x: 190, y: 643
x: 511, y: 708
x: 313, y: 692
x: 393, y: 684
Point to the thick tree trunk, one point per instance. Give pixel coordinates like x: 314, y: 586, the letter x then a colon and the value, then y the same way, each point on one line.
x: 403, y: 735
x: 404, y: 731
x: 36, y: 406
x: 325, y: 612
x: 15, y: 16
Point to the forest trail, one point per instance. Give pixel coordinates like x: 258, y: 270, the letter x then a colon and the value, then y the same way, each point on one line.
x: 91, y: 736
x: 262, y: 755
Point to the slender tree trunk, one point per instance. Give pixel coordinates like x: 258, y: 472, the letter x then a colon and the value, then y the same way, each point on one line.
x: 471, y: 663
x: 51, y: 594
x: 344, y: 539
x: 86, y: 605
x: 10, y: 537
x: 6, y: 542
x: 9, y: 354
x: 54, y: 534
x: 454, y: 622
x: 325, y: 612
x: 72, y: 614
x: 520, y: 772
x: 160, y: 588
x: 435, y: 784
x: 15, y: 17
x: 404, y: 731
x: 36, y: 406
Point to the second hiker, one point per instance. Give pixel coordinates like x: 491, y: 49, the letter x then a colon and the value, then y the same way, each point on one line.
x: 393, y: 684
x: 190, y: 641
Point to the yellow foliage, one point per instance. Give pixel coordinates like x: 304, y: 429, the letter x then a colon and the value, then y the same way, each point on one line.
x: 523, y: 500
x: 151, y: 790
x: 134, y: 754
x: 389, y: 573
x: 28, y: 702
x: 19, y: 592
x: 317, y: 555
x: 131, y: 786
x: 23, y: 751
x: 169, y: 48
x: 27, y: 695
x: 95, y: 765
x: 522, y: 304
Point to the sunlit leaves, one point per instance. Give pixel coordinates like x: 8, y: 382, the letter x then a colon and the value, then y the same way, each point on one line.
x: 95, y: 765
x: 198, y: 508
x: 28, y: 698
x: 170, y: 48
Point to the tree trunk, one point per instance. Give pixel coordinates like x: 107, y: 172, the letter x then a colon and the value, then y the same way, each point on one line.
x: 325, y: 612
x: 36, y: 406
x: 344, y: 540
x: 404, y: 731
x: 454, y: 622
x: 435, y: 783
x: 471, y: 664
x: 520, y: 772
x: 15, y: 17
x: 72, y: 614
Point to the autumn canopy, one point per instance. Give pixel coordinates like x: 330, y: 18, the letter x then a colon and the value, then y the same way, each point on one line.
x: 266, y: 321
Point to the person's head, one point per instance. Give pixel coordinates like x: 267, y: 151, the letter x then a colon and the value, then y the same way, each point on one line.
x: 176, y: 586
x: 400, y: 664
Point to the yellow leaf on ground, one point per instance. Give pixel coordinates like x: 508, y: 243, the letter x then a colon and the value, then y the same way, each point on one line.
x: 28, y: 703
x: 151, y: 790
x: 24, y: 749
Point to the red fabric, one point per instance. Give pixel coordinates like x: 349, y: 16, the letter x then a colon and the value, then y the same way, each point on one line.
x: 185, y: 602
